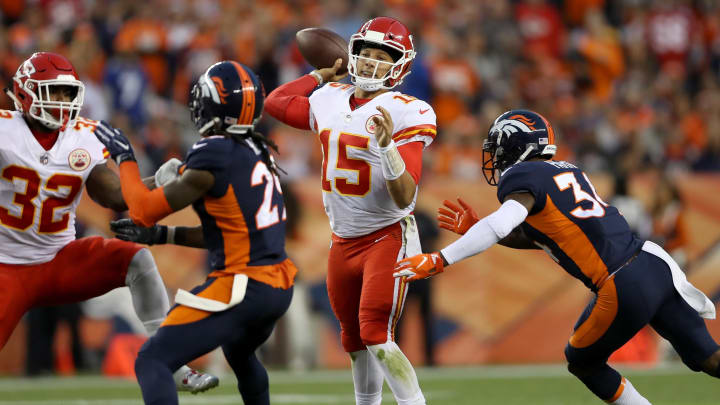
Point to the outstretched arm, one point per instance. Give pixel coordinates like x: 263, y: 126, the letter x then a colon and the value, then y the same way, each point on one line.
x: 126, y: 229
x: 478, y: 238
x: 148, y: 206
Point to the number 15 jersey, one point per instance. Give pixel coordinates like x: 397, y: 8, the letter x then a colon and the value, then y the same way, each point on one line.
x: 39, y: 189
x: 586, y: 236
x: 355, y: 196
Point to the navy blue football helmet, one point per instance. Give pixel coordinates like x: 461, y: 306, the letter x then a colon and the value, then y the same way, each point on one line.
x: 516, y: 136
x: 227, y: 98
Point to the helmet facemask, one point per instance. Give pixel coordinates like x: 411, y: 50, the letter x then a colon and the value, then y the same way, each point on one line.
x: 492, y: 154
x: 51, y: 113
x: 394, y: 74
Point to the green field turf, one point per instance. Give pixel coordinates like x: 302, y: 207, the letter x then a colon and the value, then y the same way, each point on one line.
x: 537, y: 385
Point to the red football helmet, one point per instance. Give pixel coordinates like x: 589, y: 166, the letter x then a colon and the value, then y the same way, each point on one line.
x: 390, y: 35
x: 32, y: 85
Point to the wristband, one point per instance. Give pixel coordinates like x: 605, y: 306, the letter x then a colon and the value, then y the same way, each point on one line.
x: 170, y: 235
x: 393, y: 165
x: 317, y: 76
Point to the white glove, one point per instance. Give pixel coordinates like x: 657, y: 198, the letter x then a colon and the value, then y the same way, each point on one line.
x: 167, y: 172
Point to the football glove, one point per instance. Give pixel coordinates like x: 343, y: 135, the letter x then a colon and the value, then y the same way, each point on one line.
x: 457, y: 219
x: 420, y: 266
x: 115, y: 141
x: 126, y: 229
x: 167, y: 172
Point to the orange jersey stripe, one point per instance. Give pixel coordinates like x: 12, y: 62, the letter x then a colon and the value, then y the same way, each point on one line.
x: 280, y: 275
x: 248, y: 89
x: 420, y: 132
x: 600, y: 318
x: 428, y: 128
x: 619, y: 391
x: 229, y: 218
x: 219, y: 290
x: 570, y: 239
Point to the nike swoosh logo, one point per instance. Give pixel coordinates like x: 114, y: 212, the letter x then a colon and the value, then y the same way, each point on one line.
x: 379, y: 239
x: 424, y: 259
x: 424, y: 111
x: 198, y: 145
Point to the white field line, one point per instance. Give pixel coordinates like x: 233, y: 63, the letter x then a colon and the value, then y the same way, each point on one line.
x: 14, y: 384
x: 222, y: 399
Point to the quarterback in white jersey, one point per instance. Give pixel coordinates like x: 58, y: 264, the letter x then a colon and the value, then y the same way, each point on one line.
x: 372, y: 141
x: 356, y: 198
x: 47, y: 155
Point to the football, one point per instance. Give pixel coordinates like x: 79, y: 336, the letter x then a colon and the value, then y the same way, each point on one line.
x: 321, y: 47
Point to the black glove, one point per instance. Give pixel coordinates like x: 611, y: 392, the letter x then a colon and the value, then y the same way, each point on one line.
x: 125, y: 229
x: 115, y: 141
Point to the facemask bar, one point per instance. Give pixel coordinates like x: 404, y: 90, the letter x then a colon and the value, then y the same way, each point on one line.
x: 42, y: 103
x: 374, y: 83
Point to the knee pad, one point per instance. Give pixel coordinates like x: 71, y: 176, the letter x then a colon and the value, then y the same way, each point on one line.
x: 141, y: 265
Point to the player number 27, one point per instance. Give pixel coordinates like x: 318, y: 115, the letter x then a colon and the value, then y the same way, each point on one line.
x: 343, y: 185
x: 32, y: 189
x: 267, y: 215
x: 567, y: 180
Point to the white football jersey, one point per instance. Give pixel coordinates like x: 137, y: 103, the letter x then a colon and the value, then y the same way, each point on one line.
x: 39, y: 189
x: 354, y: 192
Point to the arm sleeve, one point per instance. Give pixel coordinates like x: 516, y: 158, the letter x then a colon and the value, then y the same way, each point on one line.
x: 412, y: 156
x: 486, y: 232
x: 145, y: 207
x: 289, y: 103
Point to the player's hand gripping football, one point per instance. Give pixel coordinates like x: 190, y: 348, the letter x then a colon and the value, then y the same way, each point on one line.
x: 383, y: 127
x: 126, y: 229
x: 115, y: 141
x: 457, y: 218
x: 330, y: 74
x: 420, y: 266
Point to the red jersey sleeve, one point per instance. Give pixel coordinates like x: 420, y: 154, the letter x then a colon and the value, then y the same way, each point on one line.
x: 289, y: 103
x: 412, y: 155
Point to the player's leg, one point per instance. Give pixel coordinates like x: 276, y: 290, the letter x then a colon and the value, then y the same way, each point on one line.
x: 623, y: 306
x: 186, y: 334
x: 681, y: 325
x: 92, y: 266
x: 381, y: 305
x: 17, y: 295
x: 344, y: 283
x: 240, y: 353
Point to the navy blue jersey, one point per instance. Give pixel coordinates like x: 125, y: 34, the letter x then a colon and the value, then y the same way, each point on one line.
x: 586, y: 236
x: 243, y: 214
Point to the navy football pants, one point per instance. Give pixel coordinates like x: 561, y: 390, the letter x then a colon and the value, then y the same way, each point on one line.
x: 239, y: 330
x: 643, y: 293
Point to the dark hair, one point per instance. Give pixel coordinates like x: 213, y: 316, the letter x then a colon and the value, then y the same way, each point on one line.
x: 265, y: 144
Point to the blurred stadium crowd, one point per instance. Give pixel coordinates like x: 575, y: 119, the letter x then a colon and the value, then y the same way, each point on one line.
x: 626, y: 83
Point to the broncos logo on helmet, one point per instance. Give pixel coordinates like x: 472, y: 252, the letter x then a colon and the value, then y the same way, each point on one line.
x: 516, y: 136
x: 228, y: 97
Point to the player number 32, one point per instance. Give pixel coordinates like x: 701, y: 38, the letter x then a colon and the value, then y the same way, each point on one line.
x: 32, y: 188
